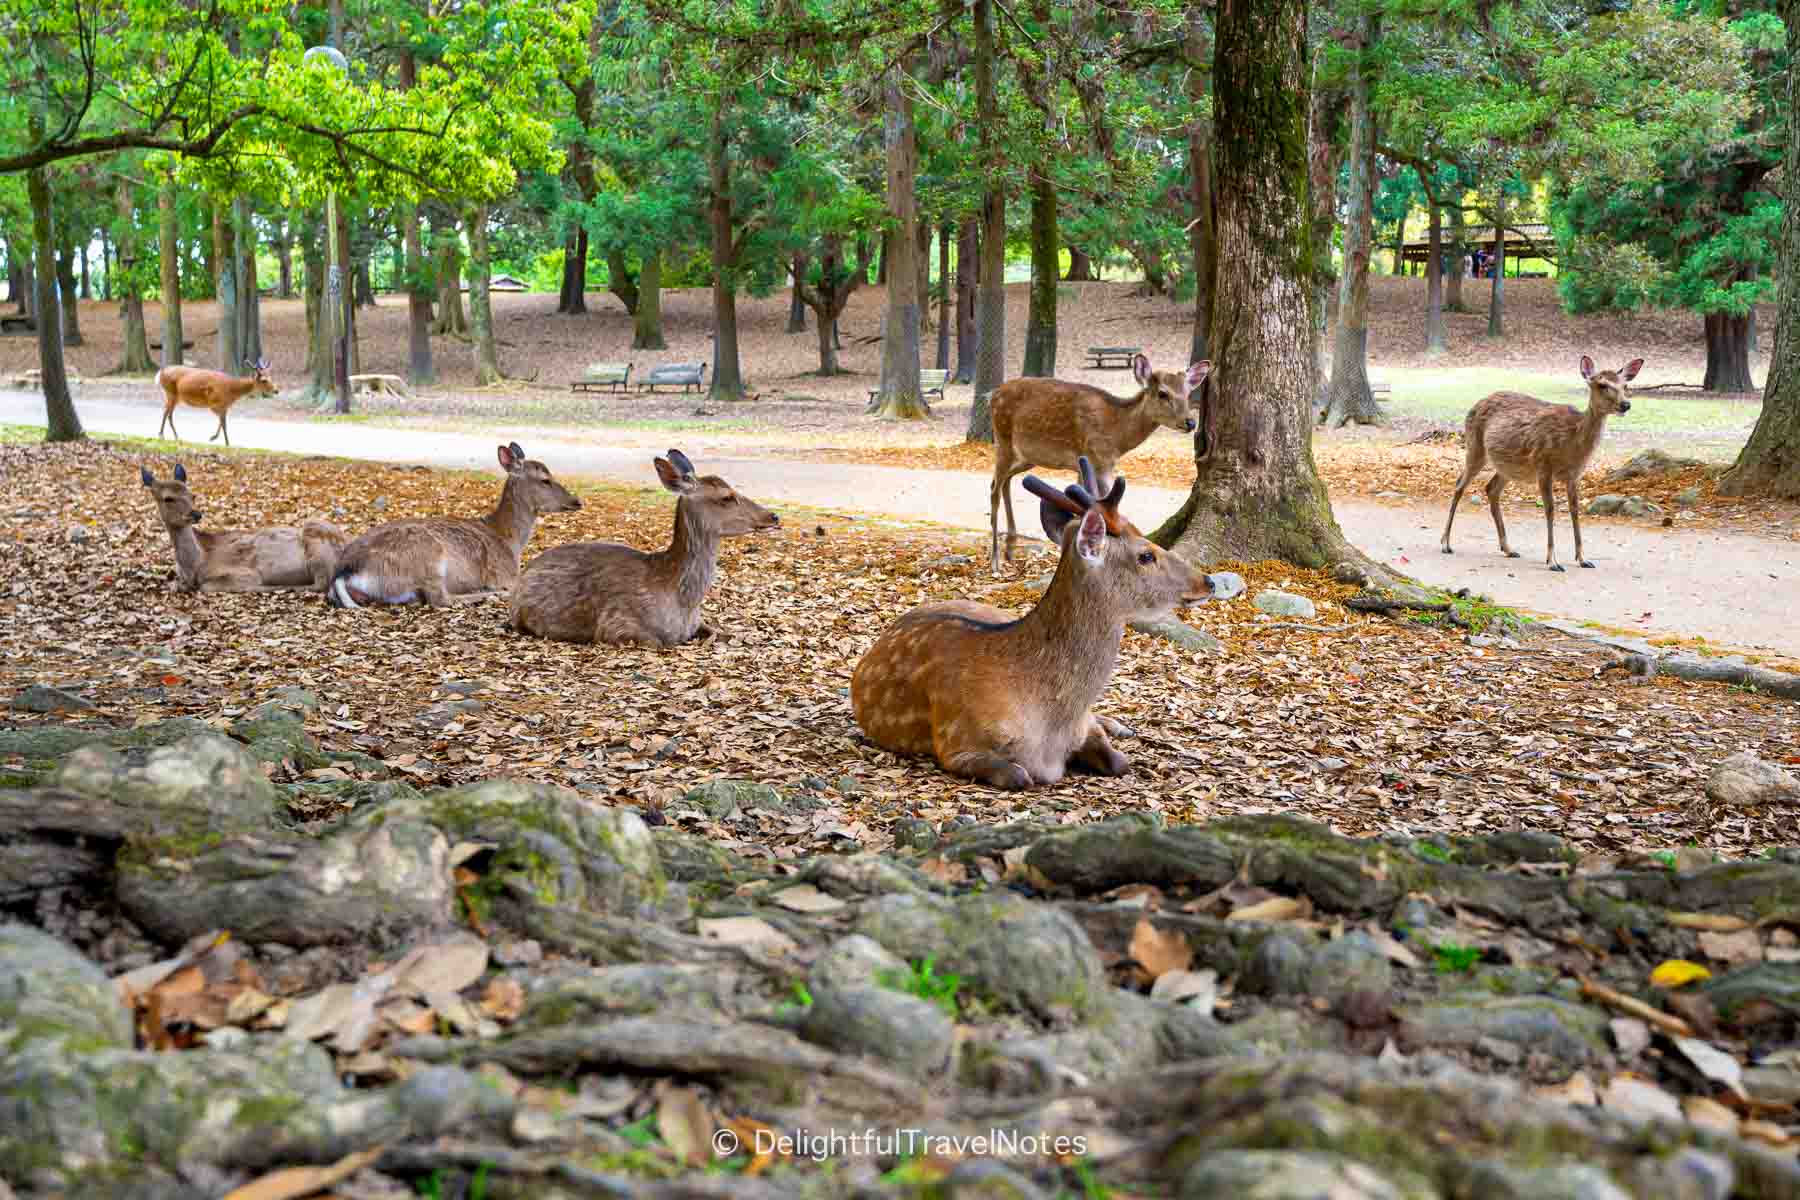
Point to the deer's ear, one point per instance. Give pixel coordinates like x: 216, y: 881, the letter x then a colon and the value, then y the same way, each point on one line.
x: 1631, y: 369
x: 1140, y: 368
x: 1054, y: 519
x: 672, y: 478
x: 506, y: 458
x: 180, y: 473
x: 1587, y: 367
x: 1197, y: 373
x: 1090, y: 539
x: 148, y: 478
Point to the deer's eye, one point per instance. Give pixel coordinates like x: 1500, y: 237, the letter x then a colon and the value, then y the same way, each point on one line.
x: 1147, y: 558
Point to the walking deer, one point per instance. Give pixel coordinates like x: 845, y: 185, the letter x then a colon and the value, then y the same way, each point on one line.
x: 606, y: 592
x: 1007, y: 701
x: 234, y: 560
x: 1525, y: 438
x: 430, y: 560
x: 214, y: 391
x: 1053, y: 423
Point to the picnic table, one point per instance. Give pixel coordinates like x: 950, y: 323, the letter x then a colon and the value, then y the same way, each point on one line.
x: 682, y: 375
x: 614, y: 377
x: 931, y: 383
x: 1104, y: 355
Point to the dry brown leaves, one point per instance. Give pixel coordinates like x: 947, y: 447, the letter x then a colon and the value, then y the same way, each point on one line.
x: 1380, y: 728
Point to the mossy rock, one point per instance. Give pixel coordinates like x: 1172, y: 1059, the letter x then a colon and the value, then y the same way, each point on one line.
x: 202, y: 781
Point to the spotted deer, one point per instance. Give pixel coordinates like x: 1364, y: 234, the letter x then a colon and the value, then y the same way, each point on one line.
x: 1007, y: 700
x: 606, y: 592
x: 236, y: 560
x: 214, y: 391
x: 1528, y: 438
x: 431, y: 560
x: 1053, y: 423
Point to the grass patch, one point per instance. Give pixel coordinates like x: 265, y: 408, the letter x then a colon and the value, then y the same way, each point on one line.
x: 1449, y: 958
x: 923, y: 981
x: 1447, y: 395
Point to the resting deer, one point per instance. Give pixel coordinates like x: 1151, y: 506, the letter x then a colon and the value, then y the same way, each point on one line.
x: 233, y: 560
x: 1524, y: 438
x: 1006, y: 701
x: 1053, y: 423
x: 211, y: 390
x: 430, y: 560
x: 605, y: 592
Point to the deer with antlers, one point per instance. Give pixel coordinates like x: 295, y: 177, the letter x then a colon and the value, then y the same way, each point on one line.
x: 1007, y: 700
x: 1053, y: 423
x: 214, y: 391
x: 607, y: 592
x: 431, y: 560
x: 237, y: 560
x: 1527, y: 438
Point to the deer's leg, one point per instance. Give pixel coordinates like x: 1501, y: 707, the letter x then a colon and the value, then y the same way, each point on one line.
x: 169, y: 419
x: 1495, y: 486
x: 1547, y: 490
x: 991, y: 768
x: 994, y: 520
x: 1114, y: 728
x: 223, y: 430
x: 434, y: 593
x: 1012, y: 528
x: 1472, y: 463
x: 1573, y: 486
x: 1096, y: 754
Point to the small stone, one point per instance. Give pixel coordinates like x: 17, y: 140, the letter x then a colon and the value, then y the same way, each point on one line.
x: 42, y: 698
x: 295, y: 697
x: 1688, y: 1174
x: 1352, y: 963
x: 1349, y: 572
x: 851, y: 962
x: 915, y: 833
x: 1277, y: 967
x: 380, y: 504
x: 847, y: 785
x: 1637, y: 506
x: 1745, y: 781
x: 1285, y: 604
x: 1181, y: 634
x: 720, y: 798
x: 76, y: 535
x: 1495, y: 1180
x: 985, y: 1179
x: 1688, y: 498
x: 1571, y: 1035
x: 1226, y: 585
x: 1285, y: 1175
x: 950, y: 560
x: 527, y: 953
x: 1329, y: 764
x: 1605, y: 506
x: 1505, y: 1053
x: 1649, y: 462
x: 902, y: 1031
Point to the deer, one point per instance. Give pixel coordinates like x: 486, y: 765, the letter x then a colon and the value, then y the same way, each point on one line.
x: 1007, y: 701
x: 211, y: 390
x: 1524, y: 437
x: 232, y: 560
x: 1053, y: 423
x: 438, y: 560
x: 607, y: 592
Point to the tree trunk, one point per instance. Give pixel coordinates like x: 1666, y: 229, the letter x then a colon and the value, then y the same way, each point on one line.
x: 646, y: 322
x: 1324, y: 117
x: 922, y: 257
x: 1257, y: 494
x: 967, y: 252
x: 1459, y: 256
x: 1350, y: 398
x: 1400, y: 246
x: 15, y: 278
x: 1728, y: 354
x: 796, y: 306
x: 230, y: 357
x: 881, y: 263
x: 620, y: 281
x: 574, y: 278
x: 836, y: 284
x: 451, y: 318
x: 1497, y: 297
x: 416, y: 279
x: 1436, y: 340
x: 900, y: 397
x: 169, y: 252
x: 481, y: 308
x: 284, y: 261
x: 66, y: 289
x: 990, y: 296
x: 220, y: 252
x: 1202, y: 236
x: 1040, y: 319
x: 1081, y: 267
x: 87, y: 285
x: 249, y: 295
x: 61, y: 423
x: 137, y: 346
x: 728, y: 378
x: 943, y: 299
x: 365, y: 284
x: 318, y: 345
x: 350, y: 348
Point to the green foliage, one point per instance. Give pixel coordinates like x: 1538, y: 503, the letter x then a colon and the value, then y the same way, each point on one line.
x: 923, y: 981
x: 1449, y: 958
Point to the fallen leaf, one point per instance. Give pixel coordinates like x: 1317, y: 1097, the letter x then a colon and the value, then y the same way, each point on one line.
x: 1743, y: 946
x: 806, y: 898
x: 944, y: 870
x: 1276, y: 908
x: 1713, y: 1063
x: 447, y: 966
x: 504, y: 999
x: 1678, y: 972
x: 1630, y: 1035
x: 1716, y: 922
x: 1638, y: 1097
x: 1157, y: 952
x: 1708, y: 1113
x: 1576, y: 1089
x: 462, y: 852
x: 290, y: 1183
x: 685, y: 1125
x: 1391, y: 946
x: 1767, y: 1132
x: 747, y: 931
x: 1199, y: 989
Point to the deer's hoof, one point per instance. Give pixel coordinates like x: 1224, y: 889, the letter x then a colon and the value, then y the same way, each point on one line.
x: 1587, y: 564
x: 1511, y: 553
x: 1556, y: 566
x: 1447, y: 550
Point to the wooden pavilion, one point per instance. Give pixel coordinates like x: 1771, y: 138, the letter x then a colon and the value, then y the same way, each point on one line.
x: 1521, y: 241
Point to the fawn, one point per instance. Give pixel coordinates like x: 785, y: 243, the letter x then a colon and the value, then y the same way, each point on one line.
x: 430, y: 560
x: 211, y: 390
x: 1007, y: 700
x: 606, y: 592
x: 1525, y: 437
x: 233, y: 560
x: 1054, y: 423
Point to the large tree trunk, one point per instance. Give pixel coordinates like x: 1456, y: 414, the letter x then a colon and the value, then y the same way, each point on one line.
x: 1257, y: 494
x: 967, y: 252
x: 1203, y: 237
x: 1040, y: 319
x: 169, y: 252
x: 61, y: 423
x: 284, y: 261
x: 1350, y: 398
x: 350, y: 348
x: 943, y: 298
x: 728, y: 378
x: 249, y: 295
x: 1728, y: 354
x: 137, y: 359
x: 420, y: 370
x: 922, y: 259
x: 87, y: 285
x: 230, y: 354
x: 1497, y: 296
x: 796, y: 306
x: 481, y: 307
x: 621, y: 282
x: 1459, y: 256
x: 900, y: 396
x: 1081, y: 267
x: 221, y: 254
x: 15, y: 278
x: 1436, y: 339
x: 447, y: 250
x: 66, y: 290
x: 1325, y: 116
x: 990, y: 295
x: 318, y: 343
x: 836, y: 283
x: 646, y: 322
x: 574, y: 280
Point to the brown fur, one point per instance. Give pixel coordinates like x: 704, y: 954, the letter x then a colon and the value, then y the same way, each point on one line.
x: 1007, y: 701
x: 431, y: 560
x: 231, y: 560
x: 214, y: 391
x: 607, y: 592
x: 1054, y: 423
x: 1526, y: 438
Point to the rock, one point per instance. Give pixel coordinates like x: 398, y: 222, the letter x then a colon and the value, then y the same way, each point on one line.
x: 852, y: 962
x: 380, y: 504
x: 1688, y: 498
x: 1605, y: 506
x: 915, y: 833
x: 203, y: 782
x: 692, y: 858
x: 985, y: 1179
x: 1571, y: 1035
x: 631, y: 989
x: 721, y: 798
x: 1637, y: 506
x: 1226, y: 585
x: 1772, y: 987
x: 1278, y: 966
x: 526, y: 953
x: 1285, y: 604
x: 1181, y: 634
x: 1352, y: 963
x: 1351, y: 573
x: 76, y: 535
x: 903, y: 1032
x: 1744, y: 781
x: 1291, y: 1175
x: 447, y: 711
x: 42, y: 698
x: 1649, y: 462
x: 296, y: 697
x: 950, y: 560
x: 47, y: 990
x: 1495, y: 1180
x: 1688, y: 1174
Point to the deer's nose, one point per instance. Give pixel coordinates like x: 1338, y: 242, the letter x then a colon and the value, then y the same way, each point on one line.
x: 1624, y: 406
x: 1190, y: 424
x: 194, y: 517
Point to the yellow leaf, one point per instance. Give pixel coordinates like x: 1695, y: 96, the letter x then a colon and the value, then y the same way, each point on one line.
x: 1157, y: 952
x: 1678, y: 972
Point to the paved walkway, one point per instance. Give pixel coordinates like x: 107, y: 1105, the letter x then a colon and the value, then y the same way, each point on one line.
x: 1735, y: 589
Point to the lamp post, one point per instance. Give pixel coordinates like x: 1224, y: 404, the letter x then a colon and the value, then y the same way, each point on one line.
x: 335, y: 310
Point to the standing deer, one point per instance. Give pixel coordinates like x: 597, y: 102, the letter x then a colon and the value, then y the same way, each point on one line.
x: 605, y: 592
x: 214, y: 391
x: 1525, y: 437
x: 427, y: 561
x: 1053, y: 423
x: 1007, y: 701
x: 234, y: 560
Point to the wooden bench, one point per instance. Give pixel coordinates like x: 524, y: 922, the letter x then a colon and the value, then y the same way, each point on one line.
x: 1118, y: 356
x: 31, y: 379
x: 17, y: 324
x: 381, y: 385
x: 1380, y: 387
x: 931, y: 383
x: 683, y: 375
x: 614, y: 377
